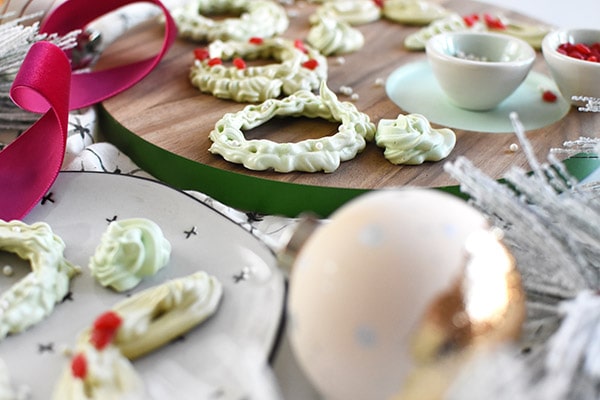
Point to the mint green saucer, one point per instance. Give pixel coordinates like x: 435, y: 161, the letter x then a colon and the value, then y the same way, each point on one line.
x: 413, y: 88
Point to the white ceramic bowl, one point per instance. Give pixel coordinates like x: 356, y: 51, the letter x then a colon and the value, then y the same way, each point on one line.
x: 478, y: 70
x: 572, y: 76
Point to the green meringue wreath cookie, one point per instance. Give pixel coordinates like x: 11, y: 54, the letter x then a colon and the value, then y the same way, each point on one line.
x: 530, y: 33
x: 311, y: 155
x: 451, y: 23
x: 410, y: 139
x: 33, y: 298
x: 100, y: 367
x: 98, y: 374
x: 159, y: 314
x: 7, y: 392
x: 258, y: 18
x: 299, y: 67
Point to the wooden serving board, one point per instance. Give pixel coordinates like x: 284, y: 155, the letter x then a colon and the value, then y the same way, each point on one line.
x: 166, y: 112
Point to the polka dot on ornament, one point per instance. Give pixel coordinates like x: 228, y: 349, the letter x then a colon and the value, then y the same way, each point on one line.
x: 450, y: 230
x: 371, y: 235
x: 366, y: 336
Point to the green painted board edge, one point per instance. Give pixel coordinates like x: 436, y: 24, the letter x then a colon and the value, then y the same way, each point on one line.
x: 248, y: 193
x: 243, y: 192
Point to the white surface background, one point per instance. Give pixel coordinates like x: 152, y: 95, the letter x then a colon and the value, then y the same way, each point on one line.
x: 563, y: 14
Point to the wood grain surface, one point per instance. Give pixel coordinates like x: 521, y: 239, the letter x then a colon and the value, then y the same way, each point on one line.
x: 166, y: 110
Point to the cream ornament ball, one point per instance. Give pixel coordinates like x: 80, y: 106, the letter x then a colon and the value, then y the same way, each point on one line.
x: 392, y: 296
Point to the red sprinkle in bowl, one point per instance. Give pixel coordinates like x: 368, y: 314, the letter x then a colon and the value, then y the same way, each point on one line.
x: 573, y: 76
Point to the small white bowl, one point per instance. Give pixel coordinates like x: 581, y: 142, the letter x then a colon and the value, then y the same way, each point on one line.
x: 572, y: 76
x: 496, y: 66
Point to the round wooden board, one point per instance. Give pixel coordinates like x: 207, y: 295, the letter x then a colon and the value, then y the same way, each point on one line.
x: 164, y: 111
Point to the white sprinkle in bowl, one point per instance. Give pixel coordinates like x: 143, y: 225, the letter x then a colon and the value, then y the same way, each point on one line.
x: 479, y: 70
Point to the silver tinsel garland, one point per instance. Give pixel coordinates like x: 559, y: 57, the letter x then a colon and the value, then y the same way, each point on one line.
x: 551, y: 224
x: 16, y: 39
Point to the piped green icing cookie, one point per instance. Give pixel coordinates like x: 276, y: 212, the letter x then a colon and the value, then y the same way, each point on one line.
x: 410, y: 139
x: 413, y: 12
x: 333, y: 37
x: 353, y: 12
x: 129, y: 250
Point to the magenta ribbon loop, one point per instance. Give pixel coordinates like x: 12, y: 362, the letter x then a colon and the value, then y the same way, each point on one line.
x: 94, y: 87
x: 44, y: 84
x: 29, y: 165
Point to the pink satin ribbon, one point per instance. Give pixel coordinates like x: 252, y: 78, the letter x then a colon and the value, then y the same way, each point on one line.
x: 44, y: 84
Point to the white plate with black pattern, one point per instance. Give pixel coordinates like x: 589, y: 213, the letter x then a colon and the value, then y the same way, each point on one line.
x: 79, y: 207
